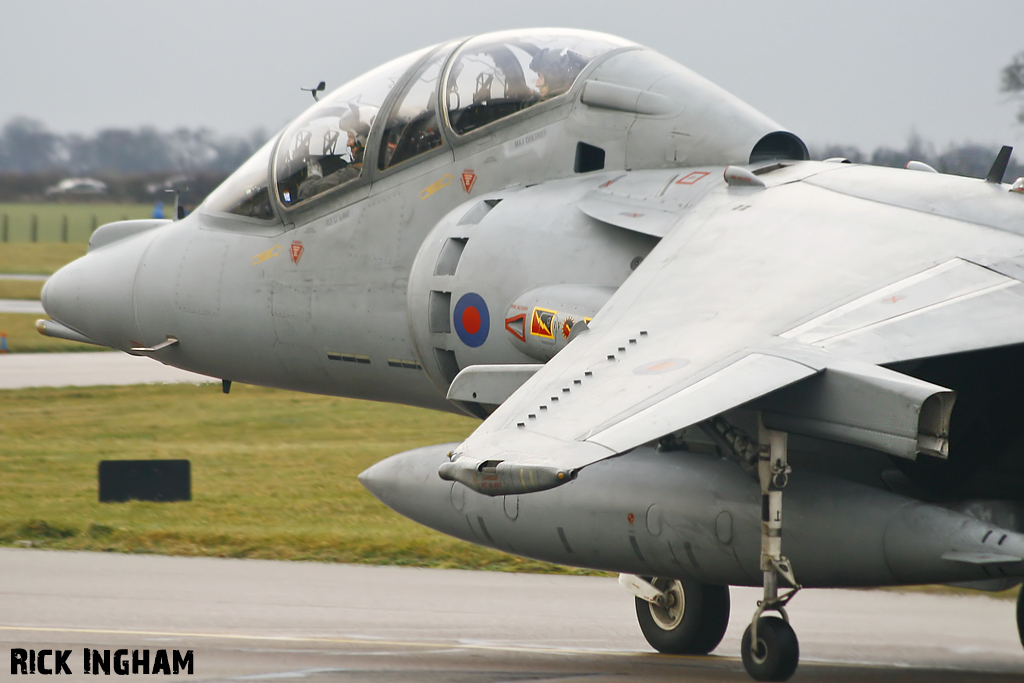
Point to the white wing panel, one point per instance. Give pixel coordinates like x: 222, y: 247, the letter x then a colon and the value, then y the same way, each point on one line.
x: 746, y: 379
x: 986, y: 319
x: 948, y: 282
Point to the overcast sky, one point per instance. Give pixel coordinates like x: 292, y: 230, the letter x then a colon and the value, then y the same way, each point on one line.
x: 866, y: 73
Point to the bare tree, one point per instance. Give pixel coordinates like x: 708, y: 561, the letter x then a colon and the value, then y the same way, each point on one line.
x: 26, y: 146
x: 1012, y: 78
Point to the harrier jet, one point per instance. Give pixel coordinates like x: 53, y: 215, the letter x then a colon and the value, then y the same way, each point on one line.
x: 700, y: 359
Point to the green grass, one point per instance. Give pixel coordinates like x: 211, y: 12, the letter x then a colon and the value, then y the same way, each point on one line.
x: 50, y: 220
x: 20, y: 289
x: 22, y: 337
x: 273, y: 475
x: 37, y: 259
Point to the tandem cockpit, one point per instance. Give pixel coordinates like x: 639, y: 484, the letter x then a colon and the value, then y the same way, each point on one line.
x: 448, y: 102
x: 397, y: 114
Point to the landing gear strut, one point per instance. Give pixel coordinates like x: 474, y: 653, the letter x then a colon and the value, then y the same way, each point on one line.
x: 679, y: 617
x: 770, y: 649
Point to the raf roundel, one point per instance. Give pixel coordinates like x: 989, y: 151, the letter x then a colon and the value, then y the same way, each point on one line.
x: 472, y: 321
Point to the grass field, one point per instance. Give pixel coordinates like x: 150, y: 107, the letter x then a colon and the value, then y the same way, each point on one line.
x: 273, y: 475
x: 20, y: 289
x: 62, y: 222
x: 37, y: 259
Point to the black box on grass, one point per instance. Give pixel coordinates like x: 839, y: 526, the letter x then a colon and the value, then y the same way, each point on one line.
x: 157, y: 480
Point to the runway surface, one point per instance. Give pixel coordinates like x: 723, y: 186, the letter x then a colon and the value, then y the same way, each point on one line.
x: 262, y: 620
x: 31, y: 278
x: 21, y: 306
x: 87, y: 368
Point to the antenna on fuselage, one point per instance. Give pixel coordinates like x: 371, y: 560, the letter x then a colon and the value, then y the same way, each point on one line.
x: 314, y: 91
x: 179, y: 210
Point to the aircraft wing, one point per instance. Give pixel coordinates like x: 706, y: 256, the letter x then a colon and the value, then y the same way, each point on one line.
x: 745, y: 296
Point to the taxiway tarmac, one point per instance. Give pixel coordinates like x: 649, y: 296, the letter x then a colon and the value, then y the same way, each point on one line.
x: 264, y: 620
x: 31, y: 306
x: 87, y: 368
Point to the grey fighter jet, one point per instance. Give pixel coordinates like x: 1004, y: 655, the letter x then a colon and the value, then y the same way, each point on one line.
x: 667, y: 318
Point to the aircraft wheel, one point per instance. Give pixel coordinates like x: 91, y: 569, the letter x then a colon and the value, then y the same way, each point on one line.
x: 693, y: 620
x: 777, y: 654
x: 1020, y: 614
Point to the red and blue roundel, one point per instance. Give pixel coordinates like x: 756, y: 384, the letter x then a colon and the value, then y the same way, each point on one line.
x: 472, y: 321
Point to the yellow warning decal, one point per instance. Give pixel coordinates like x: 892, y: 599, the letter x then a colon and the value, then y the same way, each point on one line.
x: 266, y: 255
x: 439, y: 185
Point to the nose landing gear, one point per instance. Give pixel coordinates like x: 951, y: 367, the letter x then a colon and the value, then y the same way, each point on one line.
x: 770, y: 649
x: 772, y: 653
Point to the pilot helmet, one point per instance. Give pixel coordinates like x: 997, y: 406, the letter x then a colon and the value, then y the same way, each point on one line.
x: 352, y: 122
x: 559, y: 67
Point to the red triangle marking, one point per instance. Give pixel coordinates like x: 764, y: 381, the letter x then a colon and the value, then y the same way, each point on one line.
x: 520, y: 321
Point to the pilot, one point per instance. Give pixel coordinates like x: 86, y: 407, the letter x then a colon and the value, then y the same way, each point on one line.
x: 356, y: 145
x: 556, y: 70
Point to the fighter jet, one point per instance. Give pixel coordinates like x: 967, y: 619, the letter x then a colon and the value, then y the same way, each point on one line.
x: 668, y: 319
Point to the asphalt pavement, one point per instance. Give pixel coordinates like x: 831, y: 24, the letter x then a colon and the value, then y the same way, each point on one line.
x: 266, y: 620
x: 87, y: 368
x: 21, y: 306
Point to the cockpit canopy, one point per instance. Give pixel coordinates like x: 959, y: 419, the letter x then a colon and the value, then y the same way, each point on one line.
x: 324, y: 148
x: 499, y: 74
x: 390, y: 115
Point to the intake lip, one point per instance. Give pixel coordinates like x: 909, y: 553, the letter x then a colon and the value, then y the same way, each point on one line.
x: 114, y: 232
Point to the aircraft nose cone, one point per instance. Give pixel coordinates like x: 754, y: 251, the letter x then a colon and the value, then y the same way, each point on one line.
x: 95, y: 294
x: 60, y: 293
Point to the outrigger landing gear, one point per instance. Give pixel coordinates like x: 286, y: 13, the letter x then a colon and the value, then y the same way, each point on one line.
x: 770, y: 649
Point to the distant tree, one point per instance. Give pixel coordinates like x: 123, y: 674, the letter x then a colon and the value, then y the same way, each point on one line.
x: 967, y: 159
x: 886, y: 156
x: 850, y: 152
x: 918, y: 149
x: 26, y: 145
x: 1012, y: 78
x: 137, y: 151
x: 973, y: 161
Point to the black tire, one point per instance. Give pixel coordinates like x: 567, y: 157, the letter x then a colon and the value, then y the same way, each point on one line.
x: 778, y: 651
x: 695, y: 629
x: 1020, y: 615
